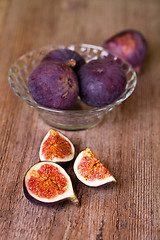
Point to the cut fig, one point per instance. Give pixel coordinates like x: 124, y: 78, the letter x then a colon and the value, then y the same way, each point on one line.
x: 90, y: 171
x: 56, y: 147
x: 47, y: 183
x: 130, y: 45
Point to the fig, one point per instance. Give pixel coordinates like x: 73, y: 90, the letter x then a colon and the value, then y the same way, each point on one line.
x: 53, y: 85
x: 47, y: 183
x: 90, y: 170
x: 129, y: 45
x: 56, y: 147
x: 66, y: 56
x: 101, y: 82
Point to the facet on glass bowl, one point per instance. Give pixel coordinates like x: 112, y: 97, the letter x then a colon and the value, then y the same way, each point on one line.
x: 81, y: 116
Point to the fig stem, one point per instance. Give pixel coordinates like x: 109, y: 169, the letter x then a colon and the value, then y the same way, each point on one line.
x: 74, y: 199
x: 72, y: 63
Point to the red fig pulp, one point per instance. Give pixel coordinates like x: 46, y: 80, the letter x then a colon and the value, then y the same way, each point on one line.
x: 90, y: 170
x: 47, y: 183
x: 56, y: 147
x: 129, y: 45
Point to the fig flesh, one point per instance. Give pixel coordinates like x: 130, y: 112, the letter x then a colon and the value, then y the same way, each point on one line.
x: 129, y: 45
x: 66, y: 56
x: 90, y: 171
x: 101, y: 82
x: 56, y: 147
x: 54, y: 85
x: 47, y: 183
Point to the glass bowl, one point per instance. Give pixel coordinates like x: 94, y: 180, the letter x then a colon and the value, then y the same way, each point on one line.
x: 81, y: 116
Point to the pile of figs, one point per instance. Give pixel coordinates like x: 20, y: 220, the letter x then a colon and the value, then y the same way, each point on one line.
x: 63, y: 75
x: 47, y: 183
x: 57, y: 82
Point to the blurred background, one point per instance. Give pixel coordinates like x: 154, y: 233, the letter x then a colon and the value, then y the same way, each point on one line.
x: 33, y: 24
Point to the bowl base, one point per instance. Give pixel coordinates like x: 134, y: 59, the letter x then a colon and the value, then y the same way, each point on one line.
x: 72, y: 128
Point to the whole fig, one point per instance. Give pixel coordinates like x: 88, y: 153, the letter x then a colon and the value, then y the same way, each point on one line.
x: 129, y: 45
x: 53, y: 85
x: 67, y: 56
x: 101, y: 82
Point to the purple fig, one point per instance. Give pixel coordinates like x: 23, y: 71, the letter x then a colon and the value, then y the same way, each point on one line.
x: 129, y: 45
x: 66, y: 56
x: 90, y: 170
x: 54, y: 85
x: 56, y: 147
x: 47, y: 183
x: 101, y: 82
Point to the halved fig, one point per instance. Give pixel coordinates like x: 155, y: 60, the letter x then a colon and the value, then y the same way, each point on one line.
x: 89, y: 170
x: 56, y: 147
x: 47, y: 183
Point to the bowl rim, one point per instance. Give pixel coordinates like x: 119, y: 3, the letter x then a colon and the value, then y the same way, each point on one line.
x: 109, y: 107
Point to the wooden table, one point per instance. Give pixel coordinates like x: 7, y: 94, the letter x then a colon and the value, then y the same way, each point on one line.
x: 127, y: 141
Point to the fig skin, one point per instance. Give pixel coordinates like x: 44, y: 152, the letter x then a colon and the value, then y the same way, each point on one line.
x: 54, y: 85
x: 57, y: 146
x: 101, y: 82
x: 90, y: 171
x: 66, y: 56
x: 129, y: 45
x: 68, y: 195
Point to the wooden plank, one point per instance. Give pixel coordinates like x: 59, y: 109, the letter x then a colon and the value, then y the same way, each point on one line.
x: 127, y: 141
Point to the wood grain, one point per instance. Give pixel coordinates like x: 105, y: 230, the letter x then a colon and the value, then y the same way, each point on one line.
x: 127, y: 141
